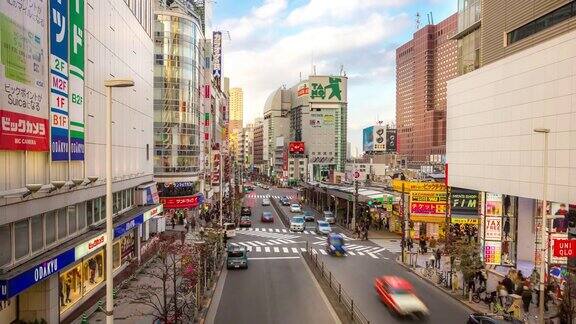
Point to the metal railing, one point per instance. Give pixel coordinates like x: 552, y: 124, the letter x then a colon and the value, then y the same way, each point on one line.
x: 353, y: 312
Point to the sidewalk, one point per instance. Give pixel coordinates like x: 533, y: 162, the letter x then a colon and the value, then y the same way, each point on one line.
x: 418, y: 264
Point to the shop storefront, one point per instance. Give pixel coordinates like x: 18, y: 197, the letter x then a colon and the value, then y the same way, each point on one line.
x: 73, y: 273
x: 499, y: 229
x: 464, y: 213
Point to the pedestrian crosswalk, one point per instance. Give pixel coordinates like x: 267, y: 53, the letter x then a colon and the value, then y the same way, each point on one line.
x: 260, y: 244
x: 356, y: 249
x: 270, y: 234
x: 253, y: 196
x: 296, y: 251
x: 270, y: 230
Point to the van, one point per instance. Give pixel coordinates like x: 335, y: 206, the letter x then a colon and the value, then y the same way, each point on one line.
x: 230, y: 230
x: 236, y: 257
x: 329, y: 217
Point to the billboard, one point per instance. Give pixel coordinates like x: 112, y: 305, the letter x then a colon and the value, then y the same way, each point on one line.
x: 428, y: 206
x: 296, y: 147
x: 23, y: 75
x: 217, y: 56
x: 59, y: 119
x: 464, y: 202
x: 76, y: 86
x: 391, y: 140
x: 379, y: 140
x: 368, y: 139
x: 324, y: 89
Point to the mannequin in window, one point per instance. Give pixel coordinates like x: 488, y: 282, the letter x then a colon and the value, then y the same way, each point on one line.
x: 559, y: 224
x: 92, y: 266
x: 506, y: 227
x: 507, y: 204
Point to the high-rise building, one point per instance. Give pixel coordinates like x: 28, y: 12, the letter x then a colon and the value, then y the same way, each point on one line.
x: 423, y: 65
x: 236, y: 108
x: 276, y: 125
x: 468, y: 35
x: 177, y: 162
x: 247, y: 147
x: 53, y: 174
x: 258, y: 143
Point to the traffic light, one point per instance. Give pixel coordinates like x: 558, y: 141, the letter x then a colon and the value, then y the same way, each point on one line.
x: 370, y: 203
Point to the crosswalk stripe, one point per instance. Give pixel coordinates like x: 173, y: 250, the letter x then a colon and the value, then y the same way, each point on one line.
x: 283, y: 241
x: 234, y: 244
x: 252, y: 243
x: 274, y: 242
x: 323, y: 252
x: 318, y: 243
x: 276, y: 250
x: 351, y: 253
x: 294, y: 250
x: 244, y: 244
x: 270, y: 230
x: 285, y: 250
x: 249, y: 248
x: 303, y: 249
x: 359, y: 253
x: 379, y: 250
x: 277, y: 230
x: 314, y: 251
x: 266, y: 249
x: 260, y: 243
x: 284, y: 230
x: 258, y: 249
x: 363, y: 249
x: 374, y: 249
x: 372, y: 255
x: 257, y: 229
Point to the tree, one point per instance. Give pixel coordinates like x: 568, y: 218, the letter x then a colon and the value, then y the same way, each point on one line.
x: 168, y: 283
x: 467, y: 254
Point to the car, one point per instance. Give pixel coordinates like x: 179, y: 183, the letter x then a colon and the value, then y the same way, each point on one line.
x: 229, y: 230
x: 265, y: 201
x: 267, y: 217
x: 329, y: 217
x: 297, y: 224
x: 398, y: 295
x: 246, y: 211
x: 479, y: 318
x: 236, y: 257
x: 323, y: 228
x: 295, y: 208
x: 285, y: 201
x: 245, y: 221
x: 309, y: 216
x: 266, y: 187
x: 335, y: 244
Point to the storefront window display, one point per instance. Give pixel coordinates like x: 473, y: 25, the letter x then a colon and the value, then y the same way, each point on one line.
x: 123, y: 250
x: 70, y: 287
x: 93, y: 271
x: 499, y: 229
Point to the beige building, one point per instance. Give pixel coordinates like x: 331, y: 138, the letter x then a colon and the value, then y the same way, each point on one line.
x: 236, y: 108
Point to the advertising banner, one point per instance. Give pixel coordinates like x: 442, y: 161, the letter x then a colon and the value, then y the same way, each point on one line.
x: 76, y: 86
x: 217, y: 56
x: 327, y: 89
x: 379, y: 138
x: 428, y: 203
x: 216, y: 167
x: 492, y: 252
x: 296, y: 147
x: 59, y: 119
x: 463, y: 202
x: 561, y: 248
x: 417, y: 186
x: 182, y: 202
x: 23, y: 75
x: 390, y: 140
x: 368, y: 139
x: 493, y: 204
x: 493, y: 228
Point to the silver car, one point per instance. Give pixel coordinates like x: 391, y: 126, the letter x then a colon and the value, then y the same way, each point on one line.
x: 266, y: 202
x: 329, y: 217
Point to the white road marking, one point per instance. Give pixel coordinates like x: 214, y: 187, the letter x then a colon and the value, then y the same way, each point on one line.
x: 249, y: 248
x: 359, y: 253
x: 275, y: 258
x: 277, y: 230
x: 318, y: 243
x: 285, y: 250
x: 314, y: 251
x: 379, y: 250
x: 323, y: 252
x: 234, y: 244
x: 260, y: 243
x: 372, y: 255
x: 258, y: 249
x: 284, y: 230
x: 351, y: 253
x: 244, y: 244
x: 267, y: 249
x: 274, y: 242
x: 257, y: 229
x: 303, y: 249
x: 294, y: 250
x: 252, y: 243
x: 284, y: 241
x: 276, y: 250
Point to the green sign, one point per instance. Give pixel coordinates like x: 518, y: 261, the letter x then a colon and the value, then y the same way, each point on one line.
x: 321, y: 91
x: 76, y: 81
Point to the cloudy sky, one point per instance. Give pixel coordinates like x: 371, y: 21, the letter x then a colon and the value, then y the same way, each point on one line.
x: 273, y: 41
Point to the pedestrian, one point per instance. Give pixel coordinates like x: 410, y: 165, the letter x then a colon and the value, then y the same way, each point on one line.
x: 182, y: 236
x: 471, y: 285
x: 423, y: 248
x: 193, y: 223
x: 431, y: 261
x: 438, y: 255
x: 173, y: 222
x: 508, y: 284
x: 410, y: 244
x: 186, y: 224
x: 502, y: 292
x: 526, y: 298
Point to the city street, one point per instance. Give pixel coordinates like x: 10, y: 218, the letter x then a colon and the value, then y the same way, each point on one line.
x: 278, y: 282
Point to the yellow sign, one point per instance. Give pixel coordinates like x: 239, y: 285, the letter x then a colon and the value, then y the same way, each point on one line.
x: 428, y: 219
x: 465, y: 220
x: 417, y: 186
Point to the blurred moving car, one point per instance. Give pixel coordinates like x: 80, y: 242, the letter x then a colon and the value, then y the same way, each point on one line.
x: 267, y: 217
x: 335, y: 244
x: 245, y: 221
x: 297, y: 224
x: 322, y: 227
x: 309, y: 216
x: 229, y: 230
x: 329, y: 217
x: 295, y: 208
x: 398, y: 295
x: 265, y: 187
x: 236, y: 257
x: 265, y: 201
x: 285, y: 201
x: 478, y: 318
x: 246, y: 211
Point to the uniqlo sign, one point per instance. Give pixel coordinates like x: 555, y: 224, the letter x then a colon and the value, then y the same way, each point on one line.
x: 564, y: 248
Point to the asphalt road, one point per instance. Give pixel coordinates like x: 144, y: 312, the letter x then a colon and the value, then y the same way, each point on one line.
x: 277, y: 287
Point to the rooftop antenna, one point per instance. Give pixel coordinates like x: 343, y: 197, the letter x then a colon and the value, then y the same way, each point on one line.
x: 428, y: 16
x: 300, y: 76
x: 431, y: 19
x: 314, y: 70
x: 341, y: 70
x: 417, y: 20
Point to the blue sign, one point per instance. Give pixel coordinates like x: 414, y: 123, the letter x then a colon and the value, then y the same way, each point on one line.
x: 12, y: 287
x: 124, y: 228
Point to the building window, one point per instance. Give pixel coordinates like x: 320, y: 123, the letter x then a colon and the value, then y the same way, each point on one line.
x: 6, y: 244
x: 37, y: 233
x: 93, y: 271
x: 62, y: 223
x: 72, y: 220
x: 550, y: 19
x: 70, y: 287
x: 21, y: 239
x: 81, y: 215
x: 50, y: 220
x: 89, y: 212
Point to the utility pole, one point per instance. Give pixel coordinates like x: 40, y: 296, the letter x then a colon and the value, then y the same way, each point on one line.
x: 406, y: 232
x: 221, y: 190
x: 355, y: 204
x: 448, y: 219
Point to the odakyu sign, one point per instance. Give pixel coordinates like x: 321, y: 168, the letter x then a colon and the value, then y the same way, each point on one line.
x: 23, y: 77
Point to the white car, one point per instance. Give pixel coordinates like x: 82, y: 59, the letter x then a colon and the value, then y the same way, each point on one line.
x: 297, y: 224
x: 295, y: 208
x: 266, y: 202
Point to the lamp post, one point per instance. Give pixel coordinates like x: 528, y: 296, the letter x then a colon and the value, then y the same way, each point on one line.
x: 544, y: 226
x: 109, y: 84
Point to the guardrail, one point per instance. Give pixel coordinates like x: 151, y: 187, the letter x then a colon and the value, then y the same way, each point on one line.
x: 280, y: 212
x: 353, y: 313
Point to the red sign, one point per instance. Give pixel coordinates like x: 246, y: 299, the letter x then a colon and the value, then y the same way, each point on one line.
x: 23, y: 132
x: 180, y: 202
x: 296, y: 147
x: 565, y: 248
x: 304, y: 90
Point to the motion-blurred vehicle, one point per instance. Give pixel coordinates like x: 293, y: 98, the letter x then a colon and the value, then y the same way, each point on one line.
x: 285, y: 201
x: 479, y: 318
x: 308, y: 216
x: 229, y: 230
x: 265, y: 201
x: 265, y: 187
x: 398, y: 295
x: 245, y: 221
x: 329, y: 217
x: 295, y: 208
x: 335, y: 244
x: 236, y: 257
x: 297, y: 224
x: 267, y: 217
x: 246, y: 211
x: 323, y: 228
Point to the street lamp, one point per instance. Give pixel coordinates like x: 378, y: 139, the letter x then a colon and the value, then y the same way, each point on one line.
x: 109, y: 84
x: 544, y: 226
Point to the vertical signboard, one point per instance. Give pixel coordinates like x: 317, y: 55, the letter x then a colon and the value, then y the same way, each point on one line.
x: 391, y: 140
x: 59, y: 118
x: 76, y: 47
x: 23, y: 75
x: 217, y: 56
